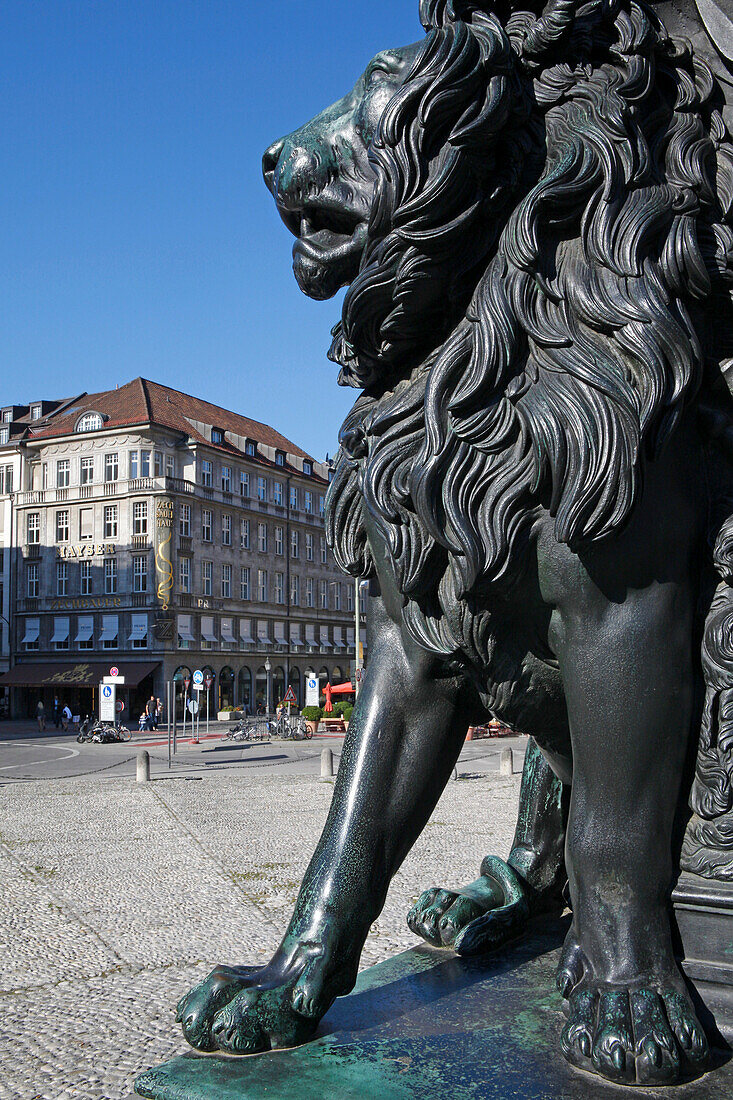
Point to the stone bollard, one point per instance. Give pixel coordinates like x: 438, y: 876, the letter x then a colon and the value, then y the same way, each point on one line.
x: 326, y: 764
x: 506, y: 762
x: 143, y: 766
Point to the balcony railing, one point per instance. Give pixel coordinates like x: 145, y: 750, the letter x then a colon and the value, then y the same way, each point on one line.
x: 140, y: 542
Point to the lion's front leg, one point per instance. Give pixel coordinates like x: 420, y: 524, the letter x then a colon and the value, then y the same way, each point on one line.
x: 402, y: 743
x: 628, y: 674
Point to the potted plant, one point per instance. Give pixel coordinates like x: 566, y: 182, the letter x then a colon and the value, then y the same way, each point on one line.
x: 312, y: 716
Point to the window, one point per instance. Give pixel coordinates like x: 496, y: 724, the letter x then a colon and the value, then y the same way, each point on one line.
x: 262, y: 585
x: 140, y: 574
x: 139, y: 631
x: 111, y: 466
x: 158, y: 463
x: 226, y: 581
x: 110, y: 576
x: 140, y: 517
x: 4, y: 435
x: 7, y: 416
x: 226, y: 530
x: 89, y: 422
x: 262, y: 537
x: 132, y: 465
x: 277, y: 492
x: 184, y: 520
x: 226, y: 479
x: 244, y: 583
x: 206, y: 525
x: 307, y: 467
x: 294, y: 590
x: 86, y: 578
x: 33, y: 528
x: 30, y: 637
x: 279, y: 588
x: 207, y: 571
x: 309, y: 601
x: 44, y: 475
x: 60, y: 636
x: 110, y: 632
x: 62, y: 526
x: 349, y: 597
x: 250, y: 447
x: 86, y: 523
x: 295, y: 544
x: 63, y: 473
x: 6, y: 477
x: 308, y: 501
x: 244, y: 534
x: 279, y: 458
x: 145, y: 464
x: 208, y: 635
x: 279, y: 541
x: 324, y: 552
x: 337, y: 597
x: 85, y: 631
x: 323, y: 593
x: 207, y: 479
x: 308, y: 546
x: 217, y: 435
x: 170, y: 466
x: 185, y: 632
x: 36, y: 414
x: 86, y: 471
x: 321, y: 505
x: 184, y: 574
x: 243, y: 483
x: 110, y: 521
x: 294, y: 497
x: 262, y: 488
x: 31, y: 580
x: 62, y: 578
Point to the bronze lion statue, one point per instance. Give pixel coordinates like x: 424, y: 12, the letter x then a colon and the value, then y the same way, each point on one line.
x: 531, y: 208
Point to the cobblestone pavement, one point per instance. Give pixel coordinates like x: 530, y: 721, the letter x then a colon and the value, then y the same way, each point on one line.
x: 115, y: 898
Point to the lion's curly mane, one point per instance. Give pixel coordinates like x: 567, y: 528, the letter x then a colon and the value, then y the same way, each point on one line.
x: 525, y: 321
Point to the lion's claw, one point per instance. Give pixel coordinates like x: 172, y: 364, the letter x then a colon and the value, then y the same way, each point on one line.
x: 633, y: 1036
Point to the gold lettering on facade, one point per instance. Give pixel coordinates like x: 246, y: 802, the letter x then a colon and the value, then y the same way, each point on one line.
x: 100, y: 603
x: 87, y: 550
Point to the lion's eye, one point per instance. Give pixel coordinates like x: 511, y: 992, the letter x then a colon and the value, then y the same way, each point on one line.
x: 375, y: 76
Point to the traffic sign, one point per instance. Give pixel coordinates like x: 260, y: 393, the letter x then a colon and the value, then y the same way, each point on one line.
x: 193, y: 706
x: 114, y: 671
x: 311, y: 691
x: 359, y: 674
x: 119, y: 706
x: 198, y: 678
x: 290, y: 696
x: 208, y: 681
x: 107, y: 698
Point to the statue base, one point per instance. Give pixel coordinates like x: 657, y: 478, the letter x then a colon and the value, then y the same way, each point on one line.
x: 703, y: 911
x: 423, y: 1026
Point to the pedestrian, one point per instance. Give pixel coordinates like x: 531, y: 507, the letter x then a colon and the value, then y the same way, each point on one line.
x: 66, y: 717
x: 56, y: 711
x: 41, y: 716
x: 150, y: 713
x: 158, y: 712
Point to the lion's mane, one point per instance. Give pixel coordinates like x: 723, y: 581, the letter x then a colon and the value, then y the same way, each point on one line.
x: 526, y: 318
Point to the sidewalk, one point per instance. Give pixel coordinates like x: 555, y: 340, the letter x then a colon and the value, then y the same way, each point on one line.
x: 115, y: 898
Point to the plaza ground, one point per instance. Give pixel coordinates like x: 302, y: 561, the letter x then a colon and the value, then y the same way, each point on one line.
x: 116, y: 897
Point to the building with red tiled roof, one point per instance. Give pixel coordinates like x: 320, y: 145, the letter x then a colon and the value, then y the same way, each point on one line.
x: 161, y: 533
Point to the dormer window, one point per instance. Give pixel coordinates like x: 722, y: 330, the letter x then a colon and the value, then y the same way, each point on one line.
x: 250, y: 447
x: 35, y: 412
x: 279, y: 458
x: 217, y: 435
x: 307, y: 466
x: 90, y: 422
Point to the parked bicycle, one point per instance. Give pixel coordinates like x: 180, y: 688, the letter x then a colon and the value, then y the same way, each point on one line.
x: 250, y: 729
x: 101, y: 733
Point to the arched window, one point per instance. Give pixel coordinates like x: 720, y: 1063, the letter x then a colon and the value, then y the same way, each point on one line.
x: 338, y: 676
x: 244, y: 689
x: 226, y: 688
x: 182, y: 673
x: 278, y: 685
x: 90, y: 422
x: 323, y: 674
x: 294, y: 683
x: 261, y: 689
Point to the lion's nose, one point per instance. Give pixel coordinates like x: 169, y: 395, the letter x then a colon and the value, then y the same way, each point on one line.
x: 269, y: 162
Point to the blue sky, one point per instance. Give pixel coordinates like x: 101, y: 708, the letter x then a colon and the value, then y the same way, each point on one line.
x: 136, y: 235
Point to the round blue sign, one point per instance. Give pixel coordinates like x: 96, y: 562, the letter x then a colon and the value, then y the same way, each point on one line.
x: 198, y: 676
x: 106, y: 691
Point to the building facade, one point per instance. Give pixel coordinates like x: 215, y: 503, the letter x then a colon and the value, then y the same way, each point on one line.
x: 153, y: 532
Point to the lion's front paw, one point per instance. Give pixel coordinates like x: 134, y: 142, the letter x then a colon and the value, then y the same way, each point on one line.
x: 260, y: 1019
x: 633, y: 1035
x: 197, y: 1009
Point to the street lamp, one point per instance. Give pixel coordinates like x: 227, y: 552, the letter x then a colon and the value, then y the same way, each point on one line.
x: 268, y: 667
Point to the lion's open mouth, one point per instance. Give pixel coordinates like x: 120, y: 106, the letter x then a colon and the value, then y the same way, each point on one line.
x: 328, y: 250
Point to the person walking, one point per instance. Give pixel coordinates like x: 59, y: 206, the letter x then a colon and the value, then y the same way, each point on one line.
x: 66, y: 717
x: 41, y: 716
x: 56, y: 711
x: 158, y: 712
x: 150, y: 713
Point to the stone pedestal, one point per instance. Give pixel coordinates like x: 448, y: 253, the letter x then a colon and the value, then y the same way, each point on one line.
x: 427, y: 1025
x: 703, y: 912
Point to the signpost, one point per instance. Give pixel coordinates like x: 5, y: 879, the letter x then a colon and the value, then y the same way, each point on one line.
x: 208, y: 681
x: 290, y: 698
x: 107, y: 700
x: 186, y: 685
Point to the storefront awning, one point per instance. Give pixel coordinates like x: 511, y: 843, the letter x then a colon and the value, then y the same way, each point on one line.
x: 78, y: 673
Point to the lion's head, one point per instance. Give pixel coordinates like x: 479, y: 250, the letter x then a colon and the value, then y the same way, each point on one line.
x: 532, y: 210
